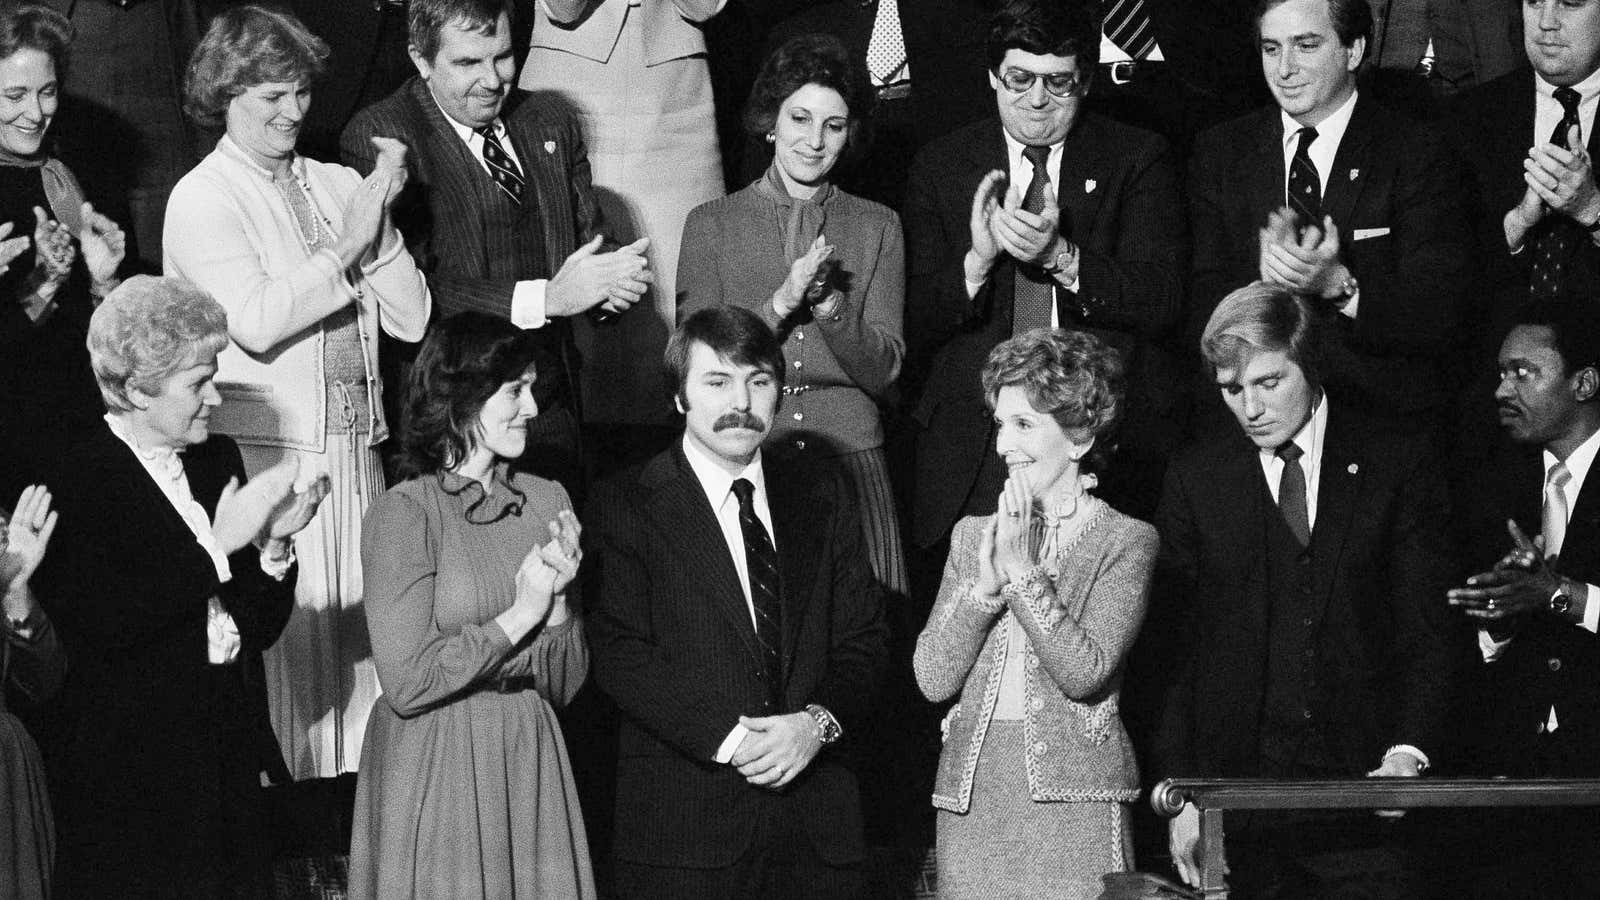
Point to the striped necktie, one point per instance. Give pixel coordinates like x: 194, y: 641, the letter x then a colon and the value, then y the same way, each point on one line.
x: 761, y: 563
x: 501, y: 166
x: 1127, y: 24
x: 1304, y: 194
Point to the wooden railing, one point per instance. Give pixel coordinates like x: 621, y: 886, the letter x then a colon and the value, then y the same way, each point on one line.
x: 1212, y: 797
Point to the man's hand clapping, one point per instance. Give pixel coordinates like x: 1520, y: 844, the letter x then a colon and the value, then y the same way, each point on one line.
x: 613, y: 281
x: 1304, y: 262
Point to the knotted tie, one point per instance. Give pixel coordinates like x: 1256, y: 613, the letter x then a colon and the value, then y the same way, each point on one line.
x: 1292, y: 493
x: 503, y: 169
x: 1305, y: 186
x: 1553, y: 519
x: 1555, y: 244
x: 1127, y: 24
x: 1035, y: 294
x: 761, y: 561
x: 886, y: 49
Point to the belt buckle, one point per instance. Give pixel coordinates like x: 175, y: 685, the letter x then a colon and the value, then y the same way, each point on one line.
x: 1122, y: 71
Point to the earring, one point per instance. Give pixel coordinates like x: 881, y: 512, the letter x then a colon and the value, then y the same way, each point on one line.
x: 771, y: 137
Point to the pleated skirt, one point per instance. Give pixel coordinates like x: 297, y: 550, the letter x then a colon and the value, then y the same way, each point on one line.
x: 868, y: 471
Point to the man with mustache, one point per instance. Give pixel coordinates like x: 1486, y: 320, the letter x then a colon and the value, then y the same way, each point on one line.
x: 1534, y: 529
x: 735, y: 622
x: 1304, y: 556
x: 498, y: 210
x: 1349, y: 205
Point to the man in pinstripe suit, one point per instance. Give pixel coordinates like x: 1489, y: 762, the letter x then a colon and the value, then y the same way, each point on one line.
x: 499, y: 212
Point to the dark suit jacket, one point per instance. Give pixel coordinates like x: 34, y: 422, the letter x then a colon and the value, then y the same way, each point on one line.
x: 1119, y: 204
x: 674, y: 647
x: 473, y: 249
x: 157, y: 739
x: 1548, y: 663
x: 1491, y: 30
x: 1387, y: 648
x: 1388, y: 174
x: 1496, y: 120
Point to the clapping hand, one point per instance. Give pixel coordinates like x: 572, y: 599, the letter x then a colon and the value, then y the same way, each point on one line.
x: 806, y: 280
x: 295, y: 511
x: 1306, y: 263
x: 11, y: 247
x: 243, y: 512
x: 613, y: 280
x: 390, y: 164
x: 1013, y: 527
x: 1521, y: 582
x: 104, y: 246
x: 1564, y: 179
x: 53, y: 249
x: 549, y: 568
x: 1027, y: 236
x: 985, y: 206
x: 23, y: 540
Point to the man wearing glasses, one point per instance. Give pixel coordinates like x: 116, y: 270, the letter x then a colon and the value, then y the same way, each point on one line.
x: 1345, y: 203
x: 1048, y: 216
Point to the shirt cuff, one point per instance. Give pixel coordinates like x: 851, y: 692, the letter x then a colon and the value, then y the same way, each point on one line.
x: 730, y: 744
x: 527, y: 304
x: 1407, y: 748
x: 1591, y: 608
x: 1349, y: 309
x: 1489, y: 647
x: 973, y: 287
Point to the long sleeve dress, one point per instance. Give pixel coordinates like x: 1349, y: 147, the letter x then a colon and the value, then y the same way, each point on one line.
x: 465, y: 788
x: 31, y: 666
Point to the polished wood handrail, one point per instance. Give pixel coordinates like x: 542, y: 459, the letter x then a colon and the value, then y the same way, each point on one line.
x: 1169, y: 796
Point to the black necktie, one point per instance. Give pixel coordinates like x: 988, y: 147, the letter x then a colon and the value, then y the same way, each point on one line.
x: 1305, y: 186
x: 1292, y: 493
x: 1127, y: 24
x: 501, y: 166
x: 1554, y: 245
x: 1034, y: 294
x: 761, y: 561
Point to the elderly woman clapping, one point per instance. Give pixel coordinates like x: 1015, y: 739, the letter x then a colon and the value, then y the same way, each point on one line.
x: 166, y: 579
x: 305, y: 259
x: 1039, y: 606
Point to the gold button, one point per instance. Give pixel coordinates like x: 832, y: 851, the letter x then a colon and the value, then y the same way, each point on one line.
x: 797, y: 364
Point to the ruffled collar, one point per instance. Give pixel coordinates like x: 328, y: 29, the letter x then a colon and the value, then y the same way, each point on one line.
x: 481, y: 507
x: 158, y: 461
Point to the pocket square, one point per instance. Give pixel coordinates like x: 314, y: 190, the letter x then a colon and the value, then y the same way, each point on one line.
x: 1364, y: 233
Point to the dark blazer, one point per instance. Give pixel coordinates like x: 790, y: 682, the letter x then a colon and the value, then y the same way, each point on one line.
x: 470, y: 241
x: 673, y: 646
x: 1389, y: 173
x: 1119, y: 204
x: 1496, y: 120
x: 1388, y: 650
x: 162, y: 750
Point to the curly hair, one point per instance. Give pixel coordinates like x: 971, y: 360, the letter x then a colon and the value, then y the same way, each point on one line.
x: 1072, y: 376
x: 34, y: 27
x: 146, y: 330
x: 463, y: 361
x: 819, y: 59
x: 246, y: 46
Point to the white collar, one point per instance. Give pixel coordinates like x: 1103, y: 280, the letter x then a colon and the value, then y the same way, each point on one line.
x: 716, y: 481
x: 466, y: 132
x: 158, y: 461
x: 1330, y: 131
x: 1579, y: 461
x: 297, y: 164
x: 1588, y: 87
x: 1309, y: 437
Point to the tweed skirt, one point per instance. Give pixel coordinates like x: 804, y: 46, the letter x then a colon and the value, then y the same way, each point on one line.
x: 1008, y: 847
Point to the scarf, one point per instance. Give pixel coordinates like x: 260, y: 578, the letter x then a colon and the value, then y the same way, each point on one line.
x: 61, y: 187
x: 801, y: 220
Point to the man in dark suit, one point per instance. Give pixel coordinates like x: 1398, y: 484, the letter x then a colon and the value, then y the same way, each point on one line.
x: 1047, y: 216
x: 498, y: 210
x: 1536, y: 697
x: 736, y: 625
x: 1351, y: 206
x: 1306, y: 554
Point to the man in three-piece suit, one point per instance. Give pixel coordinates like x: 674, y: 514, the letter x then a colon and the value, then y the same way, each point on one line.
x: 735, y: 622
x: 1353, y: 207
x: 1306, y: 554
x: 1535, y: 698
x: 1048, y: 216
x: 499, y: 212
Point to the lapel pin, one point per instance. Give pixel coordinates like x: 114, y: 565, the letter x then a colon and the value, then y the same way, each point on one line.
x: 1353, y: 468
x: 1354, y: 174
x: 1089, y: 184
x: 550, y: 147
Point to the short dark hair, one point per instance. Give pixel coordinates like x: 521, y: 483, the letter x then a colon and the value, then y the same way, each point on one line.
x: 246, y: 46
x: 1351, y: 18
x: 426, y: 19
x: 1072, y: 376
x: 1574, y: 329
x: 819, y: 59
x: 1046, y: 28
x: 462, y: 362
x: 34, y: 27
x: 733, y: 333
x: 1262, y: 318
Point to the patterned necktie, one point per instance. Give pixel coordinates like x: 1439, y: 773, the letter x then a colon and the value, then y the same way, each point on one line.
x: 1292, y: 493
x: 761, y: 561
x: 501, y: 166
x: 1127, y: 24
x: 886, y: 50
x: 1555, y: 243
x: 1553, y: 518
x: 1034, y: 294
x: 1305, y: 186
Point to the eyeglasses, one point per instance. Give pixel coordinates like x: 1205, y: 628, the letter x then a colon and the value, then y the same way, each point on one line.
x: 1059, y: 84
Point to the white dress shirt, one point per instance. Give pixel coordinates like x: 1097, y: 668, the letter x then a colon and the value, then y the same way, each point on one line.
x: 1547, y: 111
x: 528, y: 297
x: 1309, y: 439
x: 1330, y: 132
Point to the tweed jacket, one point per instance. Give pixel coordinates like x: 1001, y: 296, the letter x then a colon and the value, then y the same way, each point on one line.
x: 1080, y: 626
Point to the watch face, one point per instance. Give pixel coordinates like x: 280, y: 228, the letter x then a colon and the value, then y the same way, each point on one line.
x: 1560, y: 603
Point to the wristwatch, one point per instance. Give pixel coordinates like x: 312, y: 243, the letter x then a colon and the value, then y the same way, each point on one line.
x: 1561, y: 601
x: 828, y: 730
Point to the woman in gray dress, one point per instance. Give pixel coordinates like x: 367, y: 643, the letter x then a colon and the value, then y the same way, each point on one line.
x: 1039, y: 606
x: 465, y: 788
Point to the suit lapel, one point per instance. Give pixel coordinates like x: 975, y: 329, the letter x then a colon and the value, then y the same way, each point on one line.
x: 1081, y: 179
x: 1350, y: 172
x: 1263, y: 176
x: 1580, y: 547
x: 1339, y: 481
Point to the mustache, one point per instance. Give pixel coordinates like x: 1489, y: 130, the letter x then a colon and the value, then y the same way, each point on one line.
x: 739, y: 420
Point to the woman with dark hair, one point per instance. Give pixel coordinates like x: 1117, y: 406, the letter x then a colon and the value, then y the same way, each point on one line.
x: 1039, y: 606
x: 47, y: 396
x: 465, y: 787
x: 305, y: 259
x: 824, y: 269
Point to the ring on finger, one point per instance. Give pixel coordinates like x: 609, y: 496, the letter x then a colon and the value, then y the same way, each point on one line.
x: 1490, y: 604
